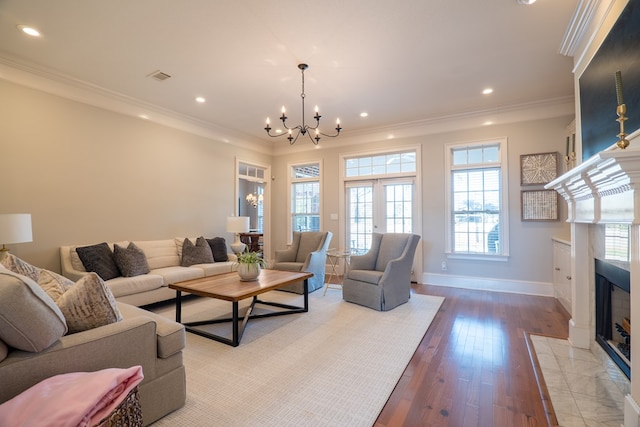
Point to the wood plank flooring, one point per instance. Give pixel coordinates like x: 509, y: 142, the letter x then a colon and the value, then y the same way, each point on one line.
x: 472, y: 367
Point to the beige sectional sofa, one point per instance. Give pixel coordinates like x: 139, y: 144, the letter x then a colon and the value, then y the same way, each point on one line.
x: 36, y: 343
x: 164, y: 258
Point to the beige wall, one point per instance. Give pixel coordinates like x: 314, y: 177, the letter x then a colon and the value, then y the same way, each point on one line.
x: 530, y: 241
x: 88, y: 175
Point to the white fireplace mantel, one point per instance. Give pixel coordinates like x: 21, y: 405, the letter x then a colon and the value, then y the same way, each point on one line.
x: 603, y: 188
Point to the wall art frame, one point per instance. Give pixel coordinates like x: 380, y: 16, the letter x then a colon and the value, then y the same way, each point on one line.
x: 539, y: 168
x: 539, y: 205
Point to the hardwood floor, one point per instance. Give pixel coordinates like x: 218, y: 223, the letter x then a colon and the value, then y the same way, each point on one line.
x: 472, y: 367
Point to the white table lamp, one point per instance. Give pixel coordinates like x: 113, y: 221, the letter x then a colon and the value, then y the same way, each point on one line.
x: 237, y: 225
x: 14, y: 228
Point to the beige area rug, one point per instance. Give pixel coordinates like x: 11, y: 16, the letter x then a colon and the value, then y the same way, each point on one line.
x: 333, y: 366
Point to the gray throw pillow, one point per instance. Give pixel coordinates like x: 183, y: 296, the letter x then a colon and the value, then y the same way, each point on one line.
x: 29, y: 319
x: 99, y: 259
x: 131, y: 261
x: 198, y: 254
x: 219, y: 248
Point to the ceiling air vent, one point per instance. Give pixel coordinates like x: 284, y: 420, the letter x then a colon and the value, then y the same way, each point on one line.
x: 159, y: 76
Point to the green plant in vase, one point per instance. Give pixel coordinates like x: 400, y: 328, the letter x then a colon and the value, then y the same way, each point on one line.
x: 249, y: 265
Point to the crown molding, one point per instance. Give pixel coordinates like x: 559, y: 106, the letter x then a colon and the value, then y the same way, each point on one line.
x: 77, y: 90
x: 80, y: 91
x: 538, y: 110
x: 578, y: 26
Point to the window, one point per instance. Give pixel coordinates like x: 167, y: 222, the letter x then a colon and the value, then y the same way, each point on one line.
x: 305, y: 197
x: 477, y: 195
x: 616, y: 242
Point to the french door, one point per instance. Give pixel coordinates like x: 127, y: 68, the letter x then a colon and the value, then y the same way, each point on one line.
x: 380, y: 205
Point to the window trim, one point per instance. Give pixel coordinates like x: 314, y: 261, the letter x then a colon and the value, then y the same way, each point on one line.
x: 291, y: 180
x: 504, y: 197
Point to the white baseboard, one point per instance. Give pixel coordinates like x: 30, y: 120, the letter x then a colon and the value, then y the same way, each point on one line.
x: 489, y: 284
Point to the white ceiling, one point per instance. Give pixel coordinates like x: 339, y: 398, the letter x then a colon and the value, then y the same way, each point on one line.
x: 405, y: 62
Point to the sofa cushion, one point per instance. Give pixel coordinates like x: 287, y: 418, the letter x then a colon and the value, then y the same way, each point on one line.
x: 368, y: 276
x: 219, y: 249
x: 17, y: 265
x: 200, y: 253
x: 290, y: 266
x: 160, y: 253
x: 121, y: 286
x: 131, y: 261
x: 212, y: 269
x: 88, y: 304
x: 391, y: 247
x: 99, y: 258
x: 178, y: 274
x: 170, y: 335
x: 29, y: 319
x: 309, y: 242
x: 4, y: 350
x: 53, y: 284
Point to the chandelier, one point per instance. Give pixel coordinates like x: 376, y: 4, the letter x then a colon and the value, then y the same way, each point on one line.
x: 303, y: 129
x: 254, y: 200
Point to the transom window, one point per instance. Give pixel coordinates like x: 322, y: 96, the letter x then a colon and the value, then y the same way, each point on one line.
x: 476, y: 221
x: 381, y: 164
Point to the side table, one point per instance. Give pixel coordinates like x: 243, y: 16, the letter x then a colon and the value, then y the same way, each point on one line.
x: 334, y: 256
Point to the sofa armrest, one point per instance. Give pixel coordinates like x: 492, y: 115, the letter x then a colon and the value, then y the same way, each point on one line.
x: 68, y: 270
x: 118, y: 345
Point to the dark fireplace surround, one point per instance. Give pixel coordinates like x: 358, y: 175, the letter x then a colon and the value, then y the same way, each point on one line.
x: 613, y: 332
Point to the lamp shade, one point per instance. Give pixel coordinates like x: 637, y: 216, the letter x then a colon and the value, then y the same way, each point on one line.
x: 238, y: 224
x: 15, y: 228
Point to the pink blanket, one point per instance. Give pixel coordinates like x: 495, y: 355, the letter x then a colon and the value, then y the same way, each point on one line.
x: 75, y: 399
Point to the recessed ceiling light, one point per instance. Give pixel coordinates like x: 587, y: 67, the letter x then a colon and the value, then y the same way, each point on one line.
x: 526, y: 1
x: 200, y: 99
x: 29, y: 30
x: 364, y: 114
x: 143, y: 116
x: 487, y: 91
x: 488, y: 123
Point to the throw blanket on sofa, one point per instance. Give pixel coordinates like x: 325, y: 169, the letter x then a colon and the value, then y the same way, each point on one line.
x: 74, y: 399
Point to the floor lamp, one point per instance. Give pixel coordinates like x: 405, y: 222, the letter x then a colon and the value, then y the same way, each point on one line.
x: 237, y: 225
x: 14, y: 228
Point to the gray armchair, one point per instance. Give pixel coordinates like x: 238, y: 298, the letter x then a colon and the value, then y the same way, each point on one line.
x: 308, y: 252
x: 381, y: 278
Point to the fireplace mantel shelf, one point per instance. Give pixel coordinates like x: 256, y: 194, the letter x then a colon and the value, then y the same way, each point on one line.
x: 603, y: 188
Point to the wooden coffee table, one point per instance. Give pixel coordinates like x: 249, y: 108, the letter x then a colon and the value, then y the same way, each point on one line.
x: 229, y: 287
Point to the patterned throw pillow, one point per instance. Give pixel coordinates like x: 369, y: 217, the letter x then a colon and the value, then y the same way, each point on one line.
x: 99, y: 258
x: 53, y: 284
x: 219, y: 249
x: 88, y: 304
x: 15, y: 264
x: 131, y: 261
x: 198, y: 254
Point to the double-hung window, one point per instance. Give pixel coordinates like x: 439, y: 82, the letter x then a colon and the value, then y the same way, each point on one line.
x: 305, y: 197
x: 477, y: 222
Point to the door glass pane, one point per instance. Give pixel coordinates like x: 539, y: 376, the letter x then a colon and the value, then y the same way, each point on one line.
x: 399, y: 205
x: 360, y: 205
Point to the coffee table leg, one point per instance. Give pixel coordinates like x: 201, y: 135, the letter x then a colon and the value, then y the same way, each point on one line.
x: 235, y: 341
x: 178, y: 306
x: 306, y: 295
